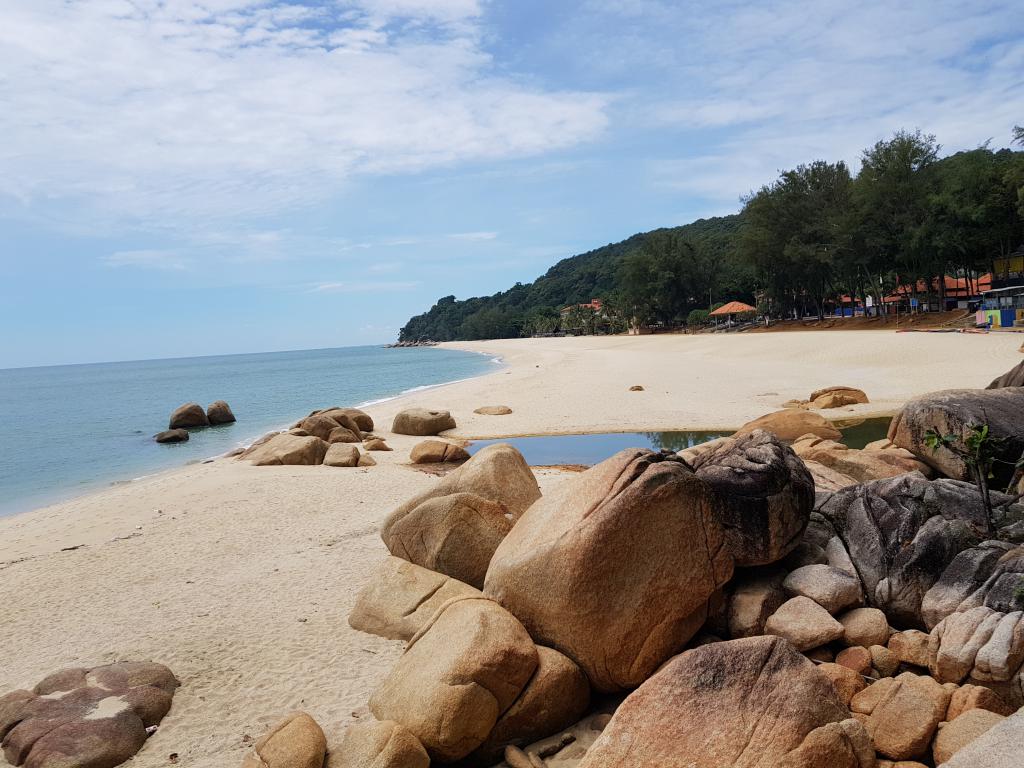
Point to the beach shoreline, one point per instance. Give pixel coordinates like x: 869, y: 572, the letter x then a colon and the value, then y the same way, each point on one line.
x: 240, y: 578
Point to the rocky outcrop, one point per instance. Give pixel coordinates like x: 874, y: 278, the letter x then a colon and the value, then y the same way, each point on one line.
x: 616, y: 567
x: 172, y: 436
x: 990, y: 574
x: 457, y: 676
x: 455, y: 535
x: 284, y: 448
x: 763, y: 495
x: 297, y: 741
x: 399, y: 598
x: 85, y: 717
x: 188, y: 416
x: 899, y: 534
x: 836, y: 397
x: 360, y: 418
x: 497, y: 473
x: 422, y: 423
x: 954, y: 412
x: 861, y: 465
x: 437, y: 452
x: 333, y: 430
x: 744, y: 703
x: 981, y: 644
x: 378, y: 745
x: 1012, y: 378
x: 219, y: 412
x: 792, y: 423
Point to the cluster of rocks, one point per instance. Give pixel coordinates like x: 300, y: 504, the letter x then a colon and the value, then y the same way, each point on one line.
x: 772, y: 598
x: 192, y: 416
x: 328, y: 436
x: 830, y: 397
x: 93, y: 718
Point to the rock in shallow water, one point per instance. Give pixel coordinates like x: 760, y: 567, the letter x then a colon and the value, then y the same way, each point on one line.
x: 188, y: 416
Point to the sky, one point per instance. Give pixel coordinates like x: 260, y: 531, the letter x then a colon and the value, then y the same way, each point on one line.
x: 192, y: 177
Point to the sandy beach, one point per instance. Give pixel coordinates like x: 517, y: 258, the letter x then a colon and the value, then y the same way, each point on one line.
x: 240, y: 578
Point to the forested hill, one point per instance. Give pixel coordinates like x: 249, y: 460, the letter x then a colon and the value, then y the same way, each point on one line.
x: 575, y: 280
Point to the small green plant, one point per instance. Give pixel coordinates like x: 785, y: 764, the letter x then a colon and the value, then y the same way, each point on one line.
x: 979, y: 450
x: 1018, y: 594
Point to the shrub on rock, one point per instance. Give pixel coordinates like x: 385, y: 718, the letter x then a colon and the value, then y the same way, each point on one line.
x: 616, y: 568
x: 955, y: 412
x: 420, y: 422
x: 751, y: 702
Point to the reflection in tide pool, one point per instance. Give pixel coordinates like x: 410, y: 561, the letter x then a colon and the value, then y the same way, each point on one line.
x: 549, y: 450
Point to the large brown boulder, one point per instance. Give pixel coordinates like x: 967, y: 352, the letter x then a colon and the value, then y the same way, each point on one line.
x: 954, y: 412
x: 341, y: 455
x: 556, y: 697
x: 294, y: 742
x: 836, y: 397
x: 437, y: 452
x: 188, y: 416
x: 399, y: 599
x: 497, y: 473
x: 172, y: 436
x: 1012, y: 378
x: 791, y: 423
x: 900, y: 534
x: 832, y: 589
x: 284, y: 448
x: 324, y: 426
x: 378, y: 745
x: 94, y: 718
x: 753, y: 598
x: 422, y: 423
x: 457, y: 676
x: 455, y: 535
x: 954, y: 736
x: 902, y: 714
x: 219, y: 412
x: 749, y: 703
x: 764, y: 495
x: 615, y: 568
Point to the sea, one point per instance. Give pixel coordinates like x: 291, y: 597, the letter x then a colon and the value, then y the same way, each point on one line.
x: 73, y: 429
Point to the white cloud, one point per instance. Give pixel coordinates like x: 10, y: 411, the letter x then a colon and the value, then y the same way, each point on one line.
x: 168, y: 112
x: 368, y: 286
x: 147, y: 259
x: 473, y: 236
x: 751, y: 88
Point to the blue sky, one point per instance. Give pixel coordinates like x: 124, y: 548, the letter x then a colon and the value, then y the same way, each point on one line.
x: 194, y: 177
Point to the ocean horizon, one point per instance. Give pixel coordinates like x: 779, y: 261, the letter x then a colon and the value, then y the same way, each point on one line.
x: 77, y: 428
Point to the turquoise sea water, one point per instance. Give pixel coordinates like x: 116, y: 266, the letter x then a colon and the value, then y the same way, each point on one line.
x: 71, y: 429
